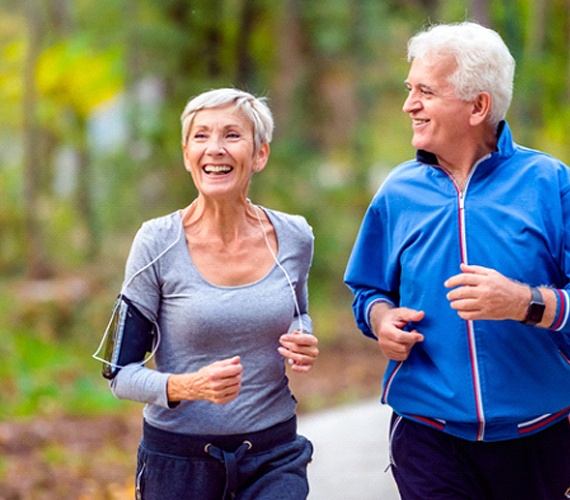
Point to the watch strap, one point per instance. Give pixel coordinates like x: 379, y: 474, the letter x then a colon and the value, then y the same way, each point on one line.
x: 535, y: 309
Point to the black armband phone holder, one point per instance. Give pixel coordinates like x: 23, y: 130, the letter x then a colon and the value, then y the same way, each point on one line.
x: 129, y: 337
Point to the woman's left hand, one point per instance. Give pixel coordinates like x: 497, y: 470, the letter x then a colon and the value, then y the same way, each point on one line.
x: 300, y: 349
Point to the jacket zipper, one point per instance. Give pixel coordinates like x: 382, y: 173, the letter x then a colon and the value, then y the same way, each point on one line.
x: 470, y: 327
x: 471, y: 333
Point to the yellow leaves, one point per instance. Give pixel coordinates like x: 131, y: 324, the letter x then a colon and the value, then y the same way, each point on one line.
x: 74, y: 74
x: 12, y: 56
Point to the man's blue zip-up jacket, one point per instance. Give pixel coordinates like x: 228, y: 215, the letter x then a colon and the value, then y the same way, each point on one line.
x: 478, y: 380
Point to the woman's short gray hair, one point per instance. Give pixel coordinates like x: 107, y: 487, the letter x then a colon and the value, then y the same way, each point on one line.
x: 254, y: 107
x: 484, y: 63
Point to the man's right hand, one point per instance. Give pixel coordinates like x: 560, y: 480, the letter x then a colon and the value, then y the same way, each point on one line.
x: 387, y: 324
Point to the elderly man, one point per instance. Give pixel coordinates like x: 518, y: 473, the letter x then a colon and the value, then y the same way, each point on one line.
x: 461, y: 271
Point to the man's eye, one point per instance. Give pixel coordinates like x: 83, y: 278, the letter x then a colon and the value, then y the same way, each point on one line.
x: 233, y: 135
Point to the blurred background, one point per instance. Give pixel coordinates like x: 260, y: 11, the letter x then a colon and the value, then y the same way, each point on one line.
x: 91, y: 92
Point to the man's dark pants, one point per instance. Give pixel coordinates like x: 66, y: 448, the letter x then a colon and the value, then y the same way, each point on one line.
x: 429, y: 464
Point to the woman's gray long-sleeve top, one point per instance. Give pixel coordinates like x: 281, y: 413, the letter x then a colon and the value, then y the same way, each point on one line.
x: 200, y: 323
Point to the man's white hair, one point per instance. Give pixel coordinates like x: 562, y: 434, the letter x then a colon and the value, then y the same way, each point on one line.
x: 484, y: 63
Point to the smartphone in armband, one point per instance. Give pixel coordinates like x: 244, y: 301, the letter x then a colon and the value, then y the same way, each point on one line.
x: 129, y: 337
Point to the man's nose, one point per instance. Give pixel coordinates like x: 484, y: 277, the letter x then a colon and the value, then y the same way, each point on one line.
x: 410, y: 103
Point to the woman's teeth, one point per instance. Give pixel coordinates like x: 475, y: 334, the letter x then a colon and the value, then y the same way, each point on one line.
x: 217, y: 169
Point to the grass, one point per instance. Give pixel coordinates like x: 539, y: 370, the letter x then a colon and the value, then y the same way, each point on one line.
x: 41, y: 377
x: 47, y: 372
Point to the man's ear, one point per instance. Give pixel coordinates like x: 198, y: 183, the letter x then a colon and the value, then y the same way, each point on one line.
x: 481, y: 108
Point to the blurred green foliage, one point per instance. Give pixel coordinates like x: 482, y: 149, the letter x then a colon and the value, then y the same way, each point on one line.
x: 91, y: 93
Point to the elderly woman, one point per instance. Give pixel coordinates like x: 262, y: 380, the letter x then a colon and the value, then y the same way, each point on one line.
x: 224, y: 282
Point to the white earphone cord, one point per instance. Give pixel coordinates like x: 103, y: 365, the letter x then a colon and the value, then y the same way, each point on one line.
x: 297, y: 308
x: 155, y: 347
x: 123, y: 288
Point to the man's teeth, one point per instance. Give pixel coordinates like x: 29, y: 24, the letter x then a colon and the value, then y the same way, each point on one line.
x: 217, y: 169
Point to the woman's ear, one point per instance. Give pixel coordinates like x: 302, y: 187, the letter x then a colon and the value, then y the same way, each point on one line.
x: 185, y: 156
x: 261, y: 157
x: 481, y: 108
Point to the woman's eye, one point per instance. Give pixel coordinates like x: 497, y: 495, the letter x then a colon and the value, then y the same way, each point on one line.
x: 233, y: 135
x: 199, y: 135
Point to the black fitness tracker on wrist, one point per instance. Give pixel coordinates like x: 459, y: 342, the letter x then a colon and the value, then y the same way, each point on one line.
x: 535, y: 309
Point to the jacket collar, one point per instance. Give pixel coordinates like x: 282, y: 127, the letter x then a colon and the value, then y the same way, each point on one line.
x: 505, y: 147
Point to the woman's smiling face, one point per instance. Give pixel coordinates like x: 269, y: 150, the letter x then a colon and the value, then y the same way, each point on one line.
x: 220, y: 152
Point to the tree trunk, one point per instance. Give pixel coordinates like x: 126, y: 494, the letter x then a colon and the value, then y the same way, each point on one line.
x: 37, y: 262
x: 480, y: 12
x: 84, y: 201
x: 245, y: 66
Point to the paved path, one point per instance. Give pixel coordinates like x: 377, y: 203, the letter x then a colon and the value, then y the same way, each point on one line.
x: 351, y: 453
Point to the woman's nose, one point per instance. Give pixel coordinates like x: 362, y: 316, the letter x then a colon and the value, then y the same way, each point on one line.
x: 215, y: 146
